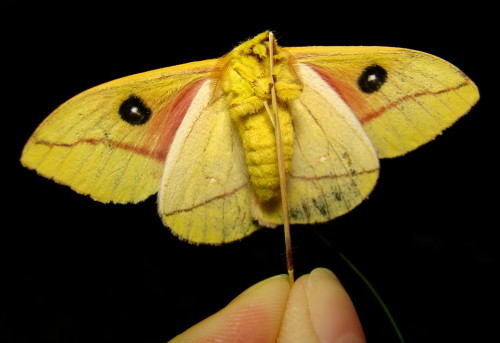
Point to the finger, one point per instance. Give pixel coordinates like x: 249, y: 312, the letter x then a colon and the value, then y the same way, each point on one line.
x: 320, y: 310
x: 254, y: 316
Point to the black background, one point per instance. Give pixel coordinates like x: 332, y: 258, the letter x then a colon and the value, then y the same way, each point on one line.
x: 79, y: 271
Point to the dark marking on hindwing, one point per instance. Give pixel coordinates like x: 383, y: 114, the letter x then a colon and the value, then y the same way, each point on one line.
x: 320, y: 206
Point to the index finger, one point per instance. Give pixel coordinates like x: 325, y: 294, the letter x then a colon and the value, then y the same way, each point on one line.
x: 253, y: 316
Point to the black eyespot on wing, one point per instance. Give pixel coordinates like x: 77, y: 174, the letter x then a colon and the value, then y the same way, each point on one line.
x: 372, y: 78
x: 134, y: 111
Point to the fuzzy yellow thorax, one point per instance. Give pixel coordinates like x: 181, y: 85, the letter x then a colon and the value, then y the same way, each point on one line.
x: 248, y: 87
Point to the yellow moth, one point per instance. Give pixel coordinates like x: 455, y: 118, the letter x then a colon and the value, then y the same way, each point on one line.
x: 200, y: 136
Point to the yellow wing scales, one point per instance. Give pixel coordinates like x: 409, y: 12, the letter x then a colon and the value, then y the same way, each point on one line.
x: 205, y: 195
x: 423, y: 94
x: 85, y: 144
x: 195, y: 133
x: 334, y: 165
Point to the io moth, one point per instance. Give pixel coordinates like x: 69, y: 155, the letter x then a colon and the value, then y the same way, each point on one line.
x: 198, y: 134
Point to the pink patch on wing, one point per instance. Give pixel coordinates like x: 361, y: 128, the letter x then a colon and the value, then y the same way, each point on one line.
x: 364, y: 110
x: 349, y: 93
x: 160, y: 132
x: 163, y: 127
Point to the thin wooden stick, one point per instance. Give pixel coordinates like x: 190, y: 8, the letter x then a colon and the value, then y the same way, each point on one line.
x: 281, y: 166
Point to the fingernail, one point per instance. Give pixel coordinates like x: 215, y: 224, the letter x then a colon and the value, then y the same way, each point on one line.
x: 332, y: 314
x: 323, y: 272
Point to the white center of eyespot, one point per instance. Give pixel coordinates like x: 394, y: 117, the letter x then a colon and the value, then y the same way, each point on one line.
x: 212, y: 180
x: 322, y: 159
x: 372, y: 77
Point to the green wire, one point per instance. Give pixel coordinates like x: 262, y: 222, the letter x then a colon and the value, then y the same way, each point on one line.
x: 368, y: 284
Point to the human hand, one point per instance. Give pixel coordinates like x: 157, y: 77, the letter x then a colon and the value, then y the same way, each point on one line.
x: 316, y: 309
